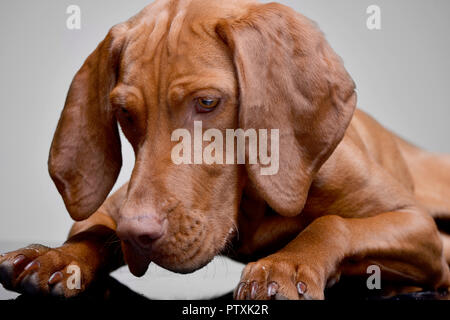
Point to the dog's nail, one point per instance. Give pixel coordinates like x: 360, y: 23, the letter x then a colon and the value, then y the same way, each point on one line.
x: 32, y: 266
x: 301, y: 287
x: 253, y: 290
x: 272, y: 289
x: 239, y: 290
x: 56, y: 277
x: 19, y: 259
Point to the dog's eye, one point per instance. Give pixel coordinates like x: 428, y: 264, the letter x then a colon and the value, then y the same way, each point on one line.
x: 207, y: 104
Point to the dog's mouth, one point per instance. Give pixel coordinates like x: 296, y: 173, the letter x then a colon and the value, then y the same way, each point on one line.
x: 179, y: 261
x: 180, y: 252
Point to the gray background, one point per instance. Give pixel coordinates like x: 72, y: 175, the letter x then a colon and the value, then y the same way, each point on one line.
x: 402, y: 73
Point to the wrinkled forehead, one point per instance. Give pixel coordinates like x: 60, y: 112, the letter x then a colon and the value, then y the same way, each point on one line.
x: 173, y: 42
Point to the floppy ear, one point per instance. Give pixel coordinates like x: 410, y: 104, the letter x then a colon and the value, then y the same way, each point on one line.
x: 290, y: 79
x: 85, y: 155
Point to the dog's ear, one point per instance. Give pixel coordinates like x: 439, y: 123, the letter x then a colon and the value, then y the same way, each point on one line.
x: 290, y: 79
x: 85, y: 156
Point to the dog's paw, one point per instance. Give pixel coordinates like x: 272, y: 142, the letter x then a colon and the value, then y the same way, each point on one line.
x: 39, y: 270
x: 280, y: 278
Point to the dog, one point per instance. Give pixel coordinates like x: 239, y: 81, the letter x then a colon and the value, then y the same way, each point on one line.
x: 347, y: 194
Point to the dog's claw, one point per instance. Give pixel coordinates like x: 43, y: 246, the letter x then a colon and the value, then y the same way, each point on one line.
x: 301, y: 288
x: 32, y: 266
x: 19, y: 259
x: 240, y: 290
x: 253, y: 290
x: 55, y: 278
x: 272, y: 289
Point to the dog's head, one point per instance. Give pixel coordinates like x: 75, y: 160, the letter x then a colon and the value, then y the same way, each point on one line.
x: 228, y: 64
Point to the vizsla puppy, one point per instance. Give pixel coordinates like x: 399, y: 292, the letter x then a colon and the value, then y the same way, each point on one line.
x: 348, y: 193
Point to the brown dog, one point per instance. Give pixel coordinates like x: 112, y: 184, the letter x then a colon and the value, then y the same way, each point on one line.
x: 348, y: 193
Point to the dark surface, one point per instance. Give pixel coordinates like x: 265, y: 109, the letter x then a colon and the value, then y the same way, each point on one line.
x: 111, y: 290
x: 355, y: 289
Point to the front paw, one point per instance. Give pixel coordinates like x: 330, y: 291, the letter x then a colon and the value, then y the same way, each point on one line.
x: 37, y: 269
x: 279, y: 277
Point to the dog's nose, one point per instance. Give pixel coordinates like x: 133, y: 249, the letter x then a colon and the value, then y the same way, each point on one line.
x: 141, y: 231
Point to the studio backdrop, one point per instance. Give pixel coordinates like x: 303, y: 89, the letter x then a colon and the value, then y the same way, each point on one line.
x: 397, y: 51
